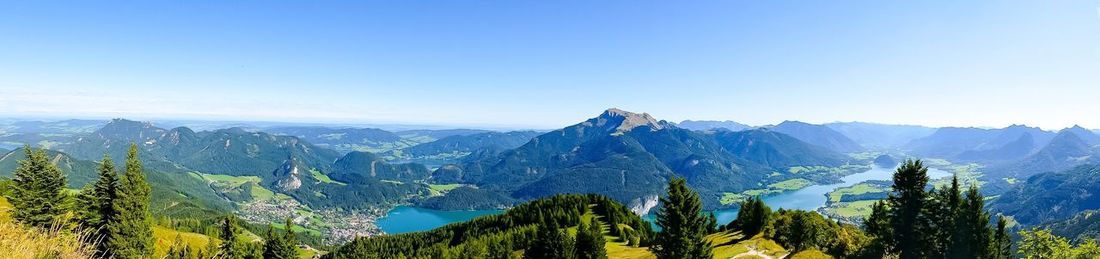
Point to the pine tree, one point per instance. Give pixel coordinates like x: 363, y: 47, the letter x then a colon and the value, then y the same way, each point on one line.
x: 1002, y: 242
x: 231, y: 248
x: 97, y: 204
x: 272, y: 243
x: 551, y: 242
x: 879, y: 227
x: 753, y: 217
x: 712, y: 223
x: 281, y: 246
x: 906, y: 202
x: 290, y: 239
x: 37, y: 190
x: 590, y: 242
x: 972, y: 239
x: 682, y: 224
x: 943, y: 213
x: 132, y: 235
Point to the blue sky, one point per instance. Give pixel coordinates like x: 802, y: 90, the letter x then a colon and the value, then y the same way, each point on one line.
x: 546, y: 64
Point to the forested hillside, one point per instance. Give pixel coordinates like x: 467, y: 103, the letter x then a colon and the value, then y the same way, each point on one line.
x: 1052, y: 196
x: 911, y: 223
x: 627, y: 156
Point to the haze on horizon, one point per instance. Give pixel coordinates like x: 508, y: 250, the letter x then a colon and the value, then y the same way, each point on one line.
x: 547, y: 65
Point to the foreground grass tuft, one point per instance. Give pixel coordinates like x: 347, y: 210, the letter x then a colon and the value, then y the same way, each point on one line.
x: 17, y: 241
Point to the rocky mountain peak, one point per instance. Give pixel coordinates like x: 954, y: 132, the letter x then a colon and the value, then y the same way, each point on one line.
x: 622, y: 121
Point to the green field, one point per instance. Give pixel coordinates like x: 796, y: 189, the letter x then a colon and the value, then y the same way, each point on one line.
x: 296, y: 228
x: 322, y: 177
x: 235, y: 185
x: 861, y: 188
x: 731, y: 198
x: 165, y: 237
x: 854, y: 209
x: 968, y: 174
x: 790, y: 185
x: 440, y: 189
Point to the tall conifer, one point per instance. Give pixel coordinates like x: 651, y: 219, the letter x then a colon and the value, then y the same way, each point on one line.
x: 590, y: 241
x: 682, y: 224
x: 97, y: 202
x: 906, y: 202
x: 132, y: 235
x: 231, y: 248
x: 1002, y: 242
x: 972, y: 239
x: 281, y: 246
x: 37, y: 189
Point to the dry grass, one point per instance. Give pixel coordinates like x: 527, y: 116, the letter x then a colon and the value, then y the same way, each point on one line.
x: 17, y: 241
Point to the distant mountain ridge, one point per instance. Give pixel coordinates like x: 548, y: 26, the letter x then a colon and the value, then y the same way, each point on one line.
x: 232, y: 151
x: 470, y: 143
x: 338, y: 138
x: 818, y: 135
x: 284, y: 163
x: 710, y: 125
x: 776, y: 150
x: 981, y: 145
x: 629, y: 156
x: 880, y: 136
x: 1066, y: 150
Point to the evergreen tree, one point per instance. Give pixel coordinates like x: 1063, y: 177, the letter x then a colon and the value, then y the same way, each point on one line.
x: 290, y: 238
x: 37, y: 193
x: 972, y: 238
x: 682, y: 224
x: 551, y: 242
x: 753, y: 217
x: 942, y: 213
x: 878, y: 223
x: 590, y: 242
x: 132, y: 235
x: 231, y: 248
x: 281, y: 246
x: 1002, y: 242
x: 97, y: 204
x: 712, y: 223
x: 880, y: 229
x: 906, y: 202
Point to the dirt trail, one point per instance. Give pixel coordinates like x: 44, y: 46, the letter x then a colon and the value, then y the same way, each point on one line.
x: 753, y: 252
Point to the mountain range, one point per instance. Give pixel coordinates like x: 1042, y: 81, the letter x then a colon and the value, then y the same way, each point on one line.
x: 703, y: 125
x: 629, y: 157
x: 624, y: 155
x: 818, y: 135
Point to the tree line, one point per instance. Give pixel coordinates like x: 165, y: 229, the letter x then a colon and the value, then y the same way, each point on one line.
x: 113, y: 211
x: 552, y: 227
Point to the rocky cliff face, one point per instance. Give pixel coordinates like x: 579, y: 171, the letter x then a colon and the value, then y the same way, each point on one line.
x: 642, y: 206
x: 287, y: 176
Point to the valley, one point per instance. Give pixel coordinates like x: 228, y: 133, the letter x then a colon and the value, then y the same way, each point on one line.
x: 362, y: 182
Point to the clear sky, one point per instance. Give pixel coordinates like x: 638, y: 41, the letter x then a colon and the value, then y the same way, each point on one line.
x: 546, y: 64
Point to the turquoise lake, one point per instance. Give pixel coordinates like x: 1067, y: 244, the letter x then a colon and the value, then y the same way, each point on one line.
x: 404, y: 219
x: 411, y: 219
